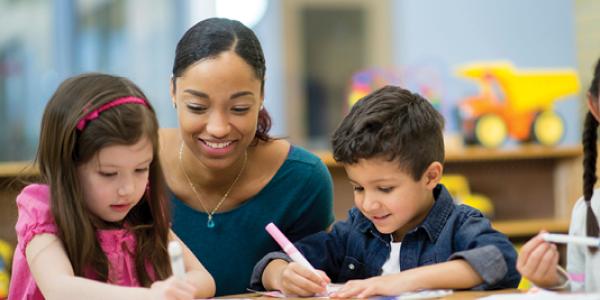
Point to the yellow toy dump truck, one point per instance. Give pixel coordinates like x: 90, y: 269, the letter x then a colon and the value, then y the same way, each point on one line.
x: 515, y: 103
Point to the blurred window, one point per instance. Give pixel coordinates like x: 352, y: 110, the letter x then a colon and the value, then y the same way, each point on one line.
x: 325, y: 43
x: 43, y: 42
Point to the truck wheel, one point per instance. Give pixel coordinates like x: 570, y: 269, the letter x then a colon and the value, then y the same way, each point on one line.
x: 548, y: 128
x: 491, y: 131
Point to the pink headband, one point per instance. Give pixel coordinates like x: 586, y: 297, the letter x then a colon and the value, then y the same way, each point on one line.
x: 94, y: 114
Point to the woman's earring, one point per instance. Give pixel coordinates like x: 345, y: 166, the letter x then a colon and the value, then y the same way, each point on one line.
x: 174, y: 105
x: 262, y: 106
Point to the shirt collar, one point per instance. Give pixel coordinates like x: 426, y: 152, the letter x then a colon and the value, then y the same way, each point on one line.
x: 362, y: 223
x: 433, y: 223
x: 442, y: 208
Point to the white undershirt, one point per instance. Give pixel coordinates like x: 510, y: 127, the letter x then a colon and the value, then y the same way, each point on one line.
x: 392, y: 265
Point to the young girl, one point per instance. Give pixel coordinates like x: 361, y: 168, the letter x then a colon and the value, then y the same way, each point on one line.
x: 538, y: 260
x: 98, y: 226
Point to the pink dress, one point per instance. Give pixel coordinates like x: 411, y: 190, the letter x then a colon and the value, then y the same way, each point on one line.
x: 35, y: 217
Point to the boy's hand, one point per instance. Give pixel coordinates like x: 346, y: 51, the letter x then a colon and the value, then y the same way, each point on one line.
x: 300, y: 281
x: 538, y: 261
x: 387, y: 285
x: 172, y: 288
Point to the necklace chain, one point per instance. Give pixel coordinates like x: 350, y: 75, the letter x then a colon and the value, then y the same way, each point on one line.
x: 210, y: 223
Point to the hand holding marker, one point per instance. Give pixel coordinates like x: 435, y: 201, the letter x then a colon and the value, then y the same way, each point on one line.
x: 288, y: 247
x: 565, y: 238
x: 296, y: 256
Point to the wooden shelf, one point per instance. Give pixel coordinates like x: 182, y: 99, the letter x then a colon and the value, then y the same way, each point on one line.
x: 482, y: 154
x: 535, y: 185
x: 9, y: 169
x: 17, y: 168
x: 523, y: 152
x: 528, y: 228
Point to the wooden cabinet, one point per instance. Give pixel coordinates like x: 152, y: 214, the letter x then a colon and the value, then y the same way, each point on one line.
x: 531, y: 187
x: 13, y: 176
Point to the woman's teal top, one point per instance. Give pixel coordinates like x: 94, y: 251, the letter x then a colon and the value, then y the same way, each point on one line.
x: 298, y: 199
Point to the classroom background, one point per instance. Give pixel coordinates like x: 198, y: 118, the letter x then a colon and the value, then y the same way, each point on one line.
x: 321, y: 55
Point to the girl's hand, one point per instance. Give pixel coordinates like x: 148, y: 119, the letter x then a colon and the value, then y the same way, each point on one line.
x: 388, y: 285
x: 300, y: 281
x: 172, y: 288
x: 538, y: 262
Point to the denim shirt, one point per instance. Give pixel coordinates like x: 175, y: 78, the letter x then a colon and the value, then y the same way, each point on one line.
x: 354, y: 249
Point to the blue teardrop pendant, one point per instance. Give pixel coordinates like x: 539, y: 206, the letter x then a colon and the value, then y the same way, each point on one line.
x: 210, y: 223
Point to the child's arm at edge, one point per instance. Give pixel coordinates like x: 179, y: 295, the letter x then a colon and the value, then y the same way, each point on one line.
x: 53, y: 273
x: 538, y: 262
x: 195, y: 273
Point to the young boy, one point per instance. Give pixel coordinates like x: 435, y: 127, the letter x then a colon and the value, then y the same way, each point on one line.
x: 405, y: 232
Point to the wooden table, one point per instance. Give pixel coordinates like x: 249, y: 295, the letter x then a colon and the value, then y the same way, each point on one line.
x: 462, y: 295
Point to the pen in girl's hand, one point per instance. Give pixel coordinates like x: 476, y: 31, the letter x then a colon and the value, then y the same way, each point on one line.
x: 565, y: 238
x: 176, y: 255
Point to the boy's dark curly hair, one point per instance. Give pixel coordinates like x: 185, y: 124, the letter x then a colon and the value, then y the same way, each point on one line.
x: 393, y: 123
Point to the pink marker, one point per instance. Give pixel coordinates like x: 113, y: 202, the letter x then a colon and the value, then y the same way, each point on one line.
x: 288, y: 247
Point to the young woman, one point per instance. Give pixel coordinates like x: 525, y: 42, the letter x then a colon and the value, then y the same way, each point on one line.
x: 227, y: 176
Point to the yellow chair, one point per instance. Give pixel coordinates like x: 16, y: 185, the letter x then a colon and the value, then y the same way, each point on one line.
x: 5, y: 259
x: 458, y: 186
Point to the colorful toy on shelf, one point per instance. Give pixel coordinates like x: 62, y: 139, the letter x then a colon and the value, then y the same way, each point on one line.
x: 458, y: 186
x: 5, y: 259
x: 515, y: 103
x: 369, y: 80
x: 423, y: 79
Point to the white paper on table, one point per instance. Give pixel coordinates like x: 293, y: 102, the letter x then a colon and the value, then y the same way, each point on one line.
x: 331, y: 288
x: 543, y: 295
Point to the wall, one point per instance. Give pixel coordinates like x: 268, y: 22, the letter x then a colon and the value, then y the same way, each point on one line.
x: 445, y: 34
x: 269, y: 32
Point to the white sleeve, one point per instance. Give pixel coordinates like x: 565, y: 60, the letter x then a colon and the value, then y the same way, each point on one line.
x: 576, y: 253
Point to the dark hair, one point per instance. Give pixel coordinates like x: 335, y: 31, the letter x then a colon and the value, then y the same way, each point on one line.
x: 211, y: 37
x: 590, y: 154
x: 63, y: 147
x: 595, y: 86
x: 394, y: 123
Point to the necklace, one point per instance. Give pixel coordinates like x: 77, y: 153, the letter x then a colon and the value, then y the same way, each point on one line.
x: 210, y: 223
